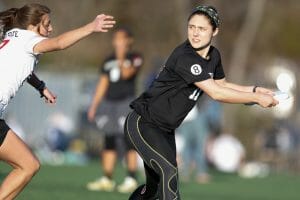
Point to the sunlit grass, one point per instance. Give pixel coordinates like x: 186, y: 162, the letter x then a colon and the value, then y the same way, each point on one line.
x: 68, y: 183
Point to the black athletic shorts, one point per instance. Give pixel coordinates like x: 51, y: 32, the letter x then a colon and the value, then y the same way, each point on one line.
x: 4, y: 128
x: 112, y: 142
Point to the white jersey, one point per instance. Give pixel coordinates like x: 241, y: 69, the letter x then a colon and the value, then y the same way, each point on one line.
x: 17, y: 61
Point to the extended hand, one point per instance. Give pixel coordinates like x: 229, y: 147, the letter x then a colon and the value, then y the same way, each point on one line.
x: 264, y: 90
x: 102, y: 23
x: 267, y: 100
x: 49, y: 97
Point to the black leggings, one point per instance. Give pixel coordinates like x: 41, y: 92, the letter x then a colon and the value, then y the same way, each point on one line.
x: 158, y: 151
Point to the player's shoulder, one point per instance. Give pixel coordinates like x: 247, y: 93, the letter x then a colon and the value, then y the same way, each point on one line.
x: 20, y: 33
x: 108, y: 63
x: 184, y: 51
x: 214, y: 52
x: 184, y: 48
x: 21, y: 36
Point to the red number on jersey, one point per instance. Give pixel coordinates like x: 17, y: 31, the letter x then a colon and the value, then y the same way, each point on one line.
x: 4, y: 42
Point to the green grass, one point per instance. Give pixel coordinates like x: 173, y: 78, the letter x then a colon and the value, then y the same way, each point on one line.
x: 68, y: 183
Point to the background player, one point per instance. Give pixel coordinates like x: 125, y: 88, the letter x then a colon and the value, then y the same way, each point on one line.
x: 24, y: 34
x: 193, y: 67
x: 115, y: 90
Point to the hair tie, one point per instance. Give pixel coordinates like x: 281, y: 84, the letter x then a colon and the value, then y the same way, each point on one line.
x: 210, y: 11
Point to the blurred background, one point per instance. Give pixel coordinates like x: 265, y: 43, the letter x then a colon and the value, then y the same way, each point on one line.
x: 259, y: 44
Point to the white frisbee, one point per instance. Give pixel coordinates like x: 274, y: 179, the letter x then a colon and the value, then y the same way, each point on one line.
x: 281, y: 96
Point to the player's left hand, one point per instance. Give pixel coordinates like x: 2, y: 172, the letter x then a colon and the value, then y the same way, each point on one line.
x: 49, y: 97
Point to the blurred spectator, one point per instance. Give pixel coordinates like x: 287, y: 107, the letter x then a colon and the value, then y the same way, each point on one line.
x: 59, y: 132
x: 226, y: 153
x: 276, y: 146
x: 214, y: 115
x: 156, y: 65
x: 194, y: 132
x: 61, y: 145
x: 114, y: 92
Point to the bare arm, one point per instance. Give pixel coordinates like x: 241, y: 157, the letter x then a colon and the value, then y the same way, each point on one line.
x: 224, y: 83
x: 100, y: 92
x: 100, y: 24
x: 229, y: 95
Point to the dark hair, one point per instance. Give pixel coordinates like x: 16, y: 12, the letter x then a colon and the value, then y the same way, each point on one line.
x: 210, y: 12
x: 126, y: 30
x: 30, y: 14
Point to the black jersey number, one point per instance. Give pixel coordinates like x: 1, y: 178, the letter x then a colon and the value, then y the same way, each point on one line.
x: 195, y: 95
x: 3, y: 43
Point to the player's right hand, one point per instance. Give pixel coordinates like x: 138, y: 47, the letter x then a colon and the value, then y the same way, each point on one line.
x: 267, y: 101
x: 91, y: 114
x: 102, y: 23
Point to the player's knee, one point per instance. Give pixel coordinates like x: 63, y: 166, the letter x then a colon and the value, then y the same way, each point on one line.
x: 36, y: 165
x: 32, y: 168
x: 29, y: 169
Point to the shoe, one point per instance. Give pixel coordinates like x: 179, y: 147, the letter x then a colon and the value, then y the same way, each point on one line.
x: 129, y: 185
x: 102, y: 184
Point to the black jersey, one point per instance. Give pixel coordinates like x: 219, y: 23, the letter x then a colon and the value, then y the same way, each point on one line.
x: 119, y: 88
x: 173, y: 93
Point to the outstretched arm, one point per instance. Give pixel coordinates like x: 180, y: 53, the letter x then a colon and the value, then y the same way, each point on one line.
x: 100, y: 24
x: 229, y: 95
x: 223, y: 82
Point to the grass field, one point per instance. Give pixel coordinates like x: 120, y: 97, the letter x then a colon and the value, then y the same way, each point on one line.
x: 68, y: 183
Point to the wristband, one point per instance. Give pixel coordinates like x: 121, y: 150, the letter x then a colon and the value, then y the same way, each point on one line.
x: 41, y: 88
x: 254, y: 88
x: 38, y: 84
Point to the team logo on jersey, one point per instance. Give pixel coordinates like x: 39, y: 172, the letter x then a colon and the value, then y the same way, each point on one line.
x: 196, y: 69
x: 195, y: 95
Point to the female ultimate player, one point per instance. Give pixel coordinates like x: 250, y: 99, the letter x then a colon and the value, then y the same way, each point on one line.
x: 193, y: 67
x: 25, y: 33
